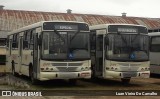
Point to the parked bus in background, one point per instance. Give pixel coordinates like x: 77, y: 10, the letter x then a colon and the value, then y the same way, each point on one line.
x: 2, y: 60
x: 50, y: 50
x: 2, y: 56
x: 154, y: 52
x: 120, y: 51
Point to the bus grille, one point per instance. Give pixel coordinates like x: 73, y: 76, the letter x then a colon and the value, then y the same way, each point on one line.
x: 67, y: 69
x: 67, y: 64
x: 129, y: 69
x: 127, y: 64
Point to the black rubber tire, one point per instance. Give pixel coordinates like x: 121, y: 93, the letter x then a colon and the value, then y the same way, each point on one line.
x: 33, y: 80
x: 13, y: 70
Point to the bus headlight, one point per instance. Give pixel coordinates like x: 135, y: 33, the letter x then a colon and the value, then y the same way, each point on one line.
x: 42, y: 69
x: 107, y: 68
x: 146, y: 68
x: 82, y: 68
x: 85, y: 68
x: 142, y: 69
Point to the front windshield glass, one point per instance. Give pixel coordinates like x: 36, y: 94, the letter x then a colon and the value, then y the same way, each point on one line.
x: 127, y: 47
x: 65, y: 45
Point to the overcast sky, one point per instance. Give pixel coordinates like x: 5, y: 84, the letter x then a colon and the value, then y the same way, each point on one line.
x: 137, y: 8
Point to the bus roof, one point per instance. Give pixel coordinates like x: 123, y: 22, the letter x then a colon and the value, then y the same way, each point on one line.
x: 154, y: 34
x: 105, y: 26
x: 38, y: 24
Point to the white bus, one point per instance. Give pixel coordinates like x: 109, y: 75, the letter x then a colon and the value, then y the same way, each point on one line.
x: 120, y: 51
x: 50, y: 50
x: 2, y: 60
x: 155, y: 52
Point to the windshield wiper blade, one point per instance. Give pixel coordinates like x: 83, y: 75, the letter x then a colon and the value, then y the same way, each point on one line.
x: 74, y: 35
x: 59, y: 35
x: 124, y: 40
x: 134, y: 38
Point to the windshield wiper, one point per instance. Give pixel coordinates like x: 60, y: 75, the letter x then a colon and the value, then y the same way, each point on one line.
x: 59, y: 35
x: 134, y: 38
x: 74, y: 35
x: 124, y: 40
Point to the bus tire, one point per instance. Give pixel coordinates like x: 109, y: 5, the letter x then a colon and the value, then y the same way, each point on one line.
x: 33, y: 80
x: 125, y: 80
x: 13, y: 69
x: 93, y: 75
x: 73, y: 81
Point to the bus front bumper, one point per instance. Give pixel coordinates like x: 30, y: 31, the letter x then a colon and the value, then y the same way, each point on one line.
x: 138, y: 74
x: 64, y: 75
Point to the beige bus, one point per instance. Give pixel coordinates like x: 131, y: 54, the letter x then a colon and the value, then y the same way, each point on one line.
x: 50, y: 50
x: 2, y: 59
x: 154, y: 52
x: 120, y: 51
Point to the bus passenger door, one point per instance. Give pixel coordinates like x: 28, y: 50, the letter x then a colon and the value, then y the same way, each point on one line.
x: 35, y: 55
x: 99, y: 55
x: 20, y: 54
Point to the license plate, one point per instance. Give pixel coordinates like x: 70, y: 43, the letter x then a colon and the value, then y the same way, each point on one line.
x: 129, y: 74
x: 67, y: 75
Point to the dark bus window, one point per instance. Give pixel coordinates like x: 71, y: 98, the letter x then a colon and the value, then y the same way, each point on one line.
x: 155, y: 44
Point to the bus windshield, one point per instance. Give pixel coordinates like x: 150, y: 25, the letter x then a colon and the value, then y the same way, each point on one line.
x: 65, y: 45
x: 128, y: 47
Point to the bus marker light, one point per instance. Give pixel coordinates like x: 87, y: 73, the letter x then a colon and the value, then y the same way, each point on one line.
x: 51, y: 68
x: 107, y: 68
x: 42, y: 69
x: 82, y: 68
x: 142, y: 69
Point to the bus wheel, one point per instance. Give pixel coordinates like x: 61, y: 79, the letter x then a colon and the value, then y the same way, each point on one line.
x: 13, y: 70
x: 125, y: 80
x: 31, y: 75
x: 73, y: 81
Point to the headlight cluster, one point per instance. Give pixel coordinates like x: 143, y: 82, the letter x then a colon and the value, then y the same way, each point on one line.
x: 111, y: 68
x: 144, y: 68
x: 85, y: 68
x: 47, y: 69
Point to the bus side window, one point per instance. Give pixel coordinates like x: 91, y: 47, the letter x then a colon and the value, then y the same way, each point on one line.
x: 28, y: 40
x: 15, y: 41
x: 31, y: 39
x: 93, y: 39
x: 155, y: 44
x: 25, y: 42
x: 7, y: 42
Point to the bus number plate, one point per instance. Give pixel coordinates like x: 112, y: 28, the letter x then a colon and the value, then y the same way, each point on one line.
x: 129, y: 74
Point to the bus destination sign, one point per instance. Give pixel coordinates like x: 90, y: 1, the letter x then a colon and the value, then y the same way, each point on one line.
x: 65, y: 27
x: 128, y: 30
x: 59, y: 26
